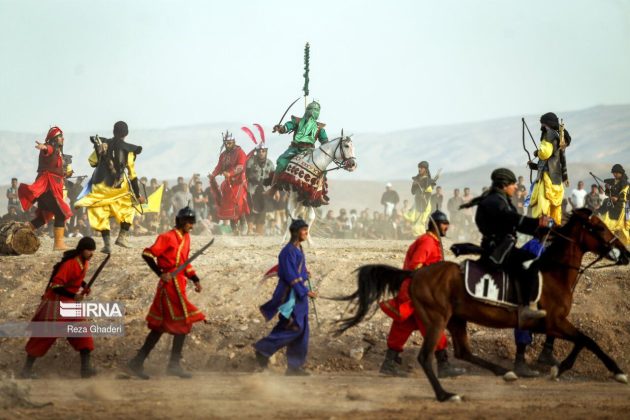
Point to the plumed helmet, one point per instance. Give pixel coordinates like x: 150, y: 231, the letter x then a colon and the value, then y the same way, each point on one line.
x: 121, y: 130
x: 297, y: 224
x: 186, y: 214
x: 439, y: 217
x: 53, y: 132
x: 86, y: 243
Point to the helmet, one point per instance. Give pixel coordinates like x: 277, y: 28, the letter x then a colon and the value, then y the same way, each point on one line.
x: 313, y: 105
x: 297, y: 224
x: 617, y: 168
x: 185, y: 214
x: 423, y: 164
x: 439, y: 217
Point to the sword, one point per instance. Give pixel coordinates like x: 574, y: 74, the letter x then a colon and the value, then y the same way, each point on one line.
x: 191, y: 259
x: 313, y: 301
x: 97, y: 272
x: 285, y: 112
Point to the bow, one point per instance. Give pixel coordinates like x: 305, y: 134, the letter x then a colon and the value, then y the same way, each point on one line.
x: 529, y: 156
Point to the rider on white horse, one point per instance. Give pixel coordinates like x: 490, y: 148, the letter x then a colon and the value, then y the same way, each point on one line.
x: 306, y: 131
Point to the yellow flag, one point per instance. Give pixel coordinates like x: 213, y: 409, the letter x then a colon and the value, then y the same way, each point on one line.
x: 154, y: 201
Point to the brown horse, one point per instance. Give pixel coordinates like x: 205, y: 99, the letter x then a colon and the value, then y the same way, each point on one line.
x: 440, y: 299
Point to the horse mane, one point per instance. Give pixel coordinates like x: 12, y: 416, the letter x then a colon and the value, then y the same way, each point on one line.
x: 557, y: 242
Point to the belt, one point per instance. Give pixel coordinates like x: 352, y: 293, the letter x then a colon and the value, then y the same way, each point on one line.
x: 302, y: 145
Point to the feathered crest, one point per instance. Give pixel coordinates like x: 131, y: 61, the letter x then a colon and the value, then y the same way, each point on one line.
x: 252, y: 136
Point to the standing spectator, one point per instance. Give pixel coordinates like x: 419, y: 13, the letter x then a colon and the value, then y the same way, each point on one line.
x: 593, y: 201
x: 467, y: 214
x: 437, y: 199
x: 200, y: 200
x: 12, y: 196
x: 454, y: 213
x: 179, y: 185
x: 181, y: 198
x: 602, y: 194
x: 211, y: 207
x: 389, y: 200
x: 578, y: 196
x: 153, y: 186
x: 167, y: 195
x: 518, y: 199
x: 521, y: 183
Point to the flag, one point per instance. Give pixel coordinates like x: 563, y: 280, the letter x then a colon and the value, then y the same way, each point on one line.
x: 154, y: 201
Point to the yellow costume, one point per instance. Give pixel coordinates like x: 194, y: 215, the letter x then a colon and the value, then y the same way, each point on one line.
x: 104, y: 201
x: 619, y: 224
x: 548, y: 190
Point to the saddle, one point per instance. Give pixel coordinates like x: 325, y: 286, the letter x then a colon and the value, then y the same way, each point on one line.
x: 307, y: 179
x: 486, y: 282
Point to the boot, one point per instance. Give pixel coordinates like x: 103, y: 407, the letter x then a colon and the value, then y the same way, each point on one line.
x: 27, y: 370
x: 296, y: 371
x: 122, y: 238
x: 136, y: 365
x: 87, y: 371
x: 261, y: 359
x: 107, y: 249
x: 444, y: 368
x: 526, y: 313
x: 59, y: 244
x: 520, y: 367
x: 174, y: 366
x: 389, y: 366
x: 546, y: 355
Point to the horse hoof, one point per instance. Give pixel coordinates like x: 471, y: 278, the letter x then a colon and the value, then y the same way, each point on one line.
x: 455, y: 399
x: 510, y: 377
x: 622, y: 378
x: 554, y: 373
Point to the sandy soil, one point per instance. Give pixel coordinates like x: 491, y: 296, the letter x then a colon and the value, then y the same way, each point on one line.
x: 344, y: 384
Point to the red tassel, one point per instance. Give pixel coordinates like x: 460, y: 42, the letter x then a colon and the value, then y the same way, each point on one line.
x: 262, y: 132
x: 250, y: 134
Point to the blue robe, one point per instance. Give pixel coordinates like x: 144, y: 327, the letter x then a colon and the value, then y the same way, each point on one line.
x: 290, y: 299
x: 536, y: 248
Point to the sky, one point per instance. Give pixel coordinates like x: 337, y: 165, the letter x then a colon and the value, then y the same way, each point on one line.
x: 376, y: 66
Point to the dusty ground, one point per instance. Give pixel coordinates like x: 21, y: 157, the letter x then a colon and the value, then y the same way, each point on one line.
x: 342, y: 386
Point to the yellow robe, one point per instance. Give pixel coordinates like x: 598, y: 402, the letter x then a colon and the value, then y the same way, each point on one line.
x: 105, y: 201
x: 620, y: 226
x: 419, y: 220
x: 547, y: 197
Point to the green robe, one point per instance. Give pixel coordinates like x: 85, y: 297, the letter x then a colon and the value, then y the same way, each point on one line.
x: 304, y: 135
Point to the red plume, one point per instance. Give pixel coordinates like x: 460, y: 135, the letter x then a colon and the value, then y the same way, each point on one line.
x: 262, y: 132
x: 250, y: 134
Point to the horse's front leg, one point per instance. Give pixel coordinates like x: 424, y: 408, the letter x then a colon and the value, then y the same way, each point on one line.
x: 310, y: 220
x: 566, y: 330
x: 291, y: 213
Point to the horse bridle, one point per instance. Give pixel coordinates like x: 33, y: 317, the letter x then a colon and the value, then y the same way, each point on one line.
x: 339, y: 164
x: 601, y: 254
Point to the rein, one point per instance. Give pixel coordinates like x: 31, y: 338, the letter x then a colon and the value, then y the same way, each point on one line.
x: 340, y: 164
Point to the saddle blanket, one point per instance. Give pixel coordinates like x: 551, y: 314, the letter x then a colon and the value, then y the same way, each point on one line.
x: 492, y: 286
x: 307, y: 179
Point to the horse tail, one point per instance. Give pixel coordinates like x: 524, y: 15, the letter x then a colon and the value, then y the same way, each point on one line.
x: 374, y: 282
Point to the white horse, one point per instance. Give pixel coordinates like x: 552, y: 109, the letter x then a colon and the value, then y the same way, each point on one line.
x: 339, y: 151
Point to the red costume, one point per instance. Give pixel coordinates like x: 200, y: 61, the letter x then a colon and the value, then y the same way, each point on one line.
x: 233, y: 194
x: 424, y: 251
x: 50, y: 174
x: 70, y: 276
x: 171, y: 310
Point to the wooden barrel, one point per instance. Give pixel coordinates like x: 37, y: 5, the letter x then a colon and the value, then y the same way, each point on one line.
x: 17, y: 238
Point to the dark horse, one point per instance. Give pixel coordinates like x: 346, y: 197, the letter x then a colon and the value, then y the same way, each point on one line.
x: 441, y: 301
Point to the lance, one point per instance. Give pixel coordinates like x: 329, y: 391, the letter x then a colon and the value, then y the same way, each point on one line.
x: 314, y: 305
x: 182, y: 267
x: 307, y: 60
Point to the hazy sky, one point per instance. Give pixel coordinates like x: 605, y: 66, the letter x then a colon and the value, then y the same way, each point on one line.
x: 375, y: 65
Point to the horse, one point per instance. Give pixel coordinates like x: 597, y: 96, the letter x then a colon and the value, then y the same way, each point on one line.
x: 441, y: 301
x: 305, y: 176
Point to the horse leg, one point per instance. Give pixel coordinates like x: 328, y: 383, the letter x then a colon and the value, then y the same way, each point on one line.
x: 425, y: 358
x: 291, y: 210
x: 566, y: 330
x: 461, y: 344
x: 310, y: 215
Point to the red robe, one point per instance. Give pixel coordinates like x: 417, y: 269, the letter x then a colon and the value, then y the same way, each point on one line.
x: 70, y: 276
x: 171, y: 310
x: 49, y: 178
x: 233, y: 201
x: 423, y: 251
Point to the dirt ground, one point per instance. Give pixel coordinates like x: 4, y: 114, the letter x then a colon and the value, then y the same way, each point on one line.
x: 344, y: 381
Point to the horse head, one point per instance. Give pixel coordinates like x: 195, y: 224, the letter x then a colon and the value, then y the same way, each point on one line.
x: 344, y: 154
x: 594, y: 236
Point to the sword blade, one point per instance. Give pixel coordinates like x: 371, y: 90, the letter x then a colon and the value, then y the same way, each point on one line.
x: 98, y: 271
x: 191, y: 259
x: 285, y: 112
